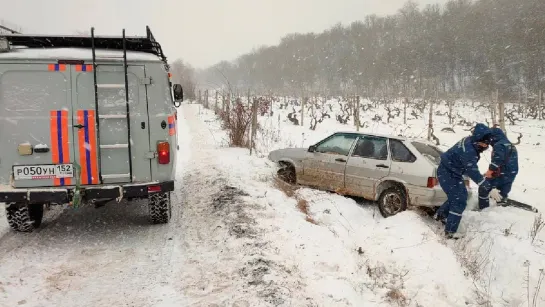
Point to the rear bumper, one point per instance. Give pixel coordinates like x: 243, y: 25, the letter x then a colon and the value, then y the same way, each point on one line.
x: 89, y: 193
x: 426, y: 197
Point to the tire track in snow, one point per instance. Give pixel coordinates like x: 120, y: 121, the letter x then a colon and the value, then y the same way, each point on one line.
x: 113, y: 256
x: 95, y: 257
x: 208, y: 275
x: 231, y: 259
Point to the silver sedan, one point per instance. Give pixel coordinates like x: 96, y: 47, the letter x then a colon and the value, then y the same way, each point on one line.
x: 395, y: 171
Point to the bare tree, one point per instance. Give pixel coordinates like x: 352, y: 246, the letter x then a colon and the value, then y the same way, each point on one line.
x: 184, y: 74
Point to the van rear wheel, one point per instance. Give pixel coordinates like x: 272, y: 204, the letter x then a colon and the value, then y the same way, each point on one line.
x: 24, y: 217
x: 160, y: 208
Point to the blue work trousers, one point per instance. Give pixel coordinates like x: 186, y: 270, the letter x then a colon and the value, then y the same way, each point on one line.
x: 456, y: 191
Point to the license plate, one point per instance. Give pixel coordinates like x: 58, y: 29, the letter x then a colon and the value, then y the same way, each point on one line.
x: 40, y: 172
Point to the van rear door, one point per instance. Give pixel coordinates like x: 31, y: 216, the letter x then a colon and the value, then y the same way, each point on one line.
x: 102, y: 149
x: 36, y: 125
x: 50, y: 109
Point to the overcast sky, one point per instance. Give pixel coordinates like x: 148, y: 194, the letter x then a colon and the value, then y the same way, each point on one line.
x: 202, y: 32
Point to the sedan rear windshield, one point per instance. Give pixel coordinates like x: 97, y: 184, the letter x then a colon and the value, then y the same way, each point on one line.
x: 431, y: 152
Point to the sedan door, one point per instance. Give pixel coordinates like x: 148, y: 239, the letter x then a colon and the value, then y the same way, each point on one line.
x: 367, y: 165
x: 325, y: 166
x: 405, y: 167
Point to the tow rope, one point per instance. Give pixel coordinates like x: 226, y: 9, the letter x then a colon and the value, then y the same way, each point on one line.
x: 76, y: 200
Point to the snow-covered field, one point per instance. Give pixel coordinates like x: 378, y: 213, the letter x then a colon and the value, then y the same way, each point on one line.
x: 497, y: 263
x: 239, y: 237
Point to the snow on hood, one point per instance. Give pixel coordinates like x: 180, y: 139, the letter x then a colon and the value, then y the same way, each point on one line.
x: 288, y: 153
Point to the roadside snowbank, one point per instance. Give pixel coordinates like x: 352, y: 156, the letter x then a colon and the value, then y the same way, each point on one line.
x: 351, y: 256
x: 491, y: 264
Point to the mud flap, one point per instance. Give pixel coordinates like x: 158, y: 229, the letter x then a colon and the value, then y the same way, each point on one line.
x: 517, y: 204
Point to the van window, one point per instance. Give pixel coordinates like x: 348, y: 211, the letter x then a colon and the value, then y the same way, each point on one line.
x: 31, y: 93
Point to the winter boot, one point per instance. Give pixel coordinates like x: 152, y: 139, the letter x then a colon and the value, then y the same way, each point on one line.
x: 453, y: 235
x: 440, y: 218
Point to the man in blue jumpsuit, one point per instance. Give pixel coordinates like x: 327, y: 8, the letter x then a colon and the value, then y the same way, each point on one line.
x: 502, y: 170
x: 461, y: 159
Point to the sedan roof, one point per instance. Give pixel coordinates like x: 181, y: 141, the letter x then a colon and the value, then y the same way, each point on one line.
x: 391, y: 136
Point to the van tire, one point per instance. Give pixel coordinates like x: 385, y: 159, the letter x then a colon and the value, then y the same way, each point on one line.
x: 160, y: 209
x: 24, y: 217
x: 392, y: 199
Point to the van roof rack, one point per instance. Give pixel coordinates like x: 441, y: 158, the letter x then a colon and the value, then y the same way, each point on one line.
x: 133, y: 43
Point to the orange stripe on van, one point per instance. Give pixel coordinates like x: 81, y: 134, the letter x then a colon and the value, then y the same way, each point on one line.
x: 84, y: 68
x: 171, y: 125
x: 65, y: 143
x: 81, y: 148
x: 56, y: 67
x: 54, y: 142
x: 93, y: 145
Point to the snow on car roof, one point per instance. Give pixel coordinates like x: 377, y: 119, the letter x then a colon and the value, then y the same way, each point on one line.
x: 391, y: 136
x: 75, y: 54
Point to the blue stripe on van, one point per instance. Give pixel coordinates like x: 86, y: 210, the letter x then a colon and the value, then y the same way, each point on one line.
x: 59, y: 140
x: 87, y: 146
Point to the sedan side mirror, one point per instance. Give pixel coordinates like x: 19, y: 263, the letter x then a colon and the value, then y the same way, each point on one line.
x: 312, y: 148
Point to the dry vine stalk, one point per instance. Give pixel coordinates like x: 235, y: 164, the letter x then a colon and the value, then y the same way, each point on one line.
x: 435, y: 138
x: 314, y: 121
x: 293, y: 117
x: 345, y: 116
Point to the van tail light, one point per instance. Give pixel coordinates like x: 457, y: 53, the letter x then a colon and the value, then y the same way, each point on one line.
x: 154, y: 189
x: 432, y: 182
x: 163, y: 152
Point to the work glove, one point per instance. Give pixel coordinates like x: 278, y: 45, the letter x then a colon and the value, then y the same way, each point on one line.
x: 495, y: 195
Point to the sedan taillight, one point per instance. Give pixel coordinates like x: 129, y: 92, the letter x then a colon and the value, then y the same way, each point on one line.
x: 432, y: 182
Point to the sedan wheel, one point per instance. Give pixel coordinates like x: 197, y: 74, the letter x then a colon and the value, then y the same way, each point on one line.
x: 287, y: 174
x: 392, y: 201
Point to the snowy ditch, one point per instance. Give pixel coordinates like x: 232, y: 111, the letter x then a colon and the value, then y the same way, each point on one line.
x: 353, y: 255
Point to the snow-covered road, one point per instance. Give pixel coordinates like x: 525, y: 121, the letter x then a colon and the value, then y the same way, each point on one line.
x: 112, y: 256
x: 212, y: 253
x: 109, y: 256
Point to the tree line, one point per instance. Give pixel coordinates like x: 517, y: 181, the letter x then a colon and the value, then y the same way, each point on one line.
x: 462, y: 48
x: 183, y: 73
